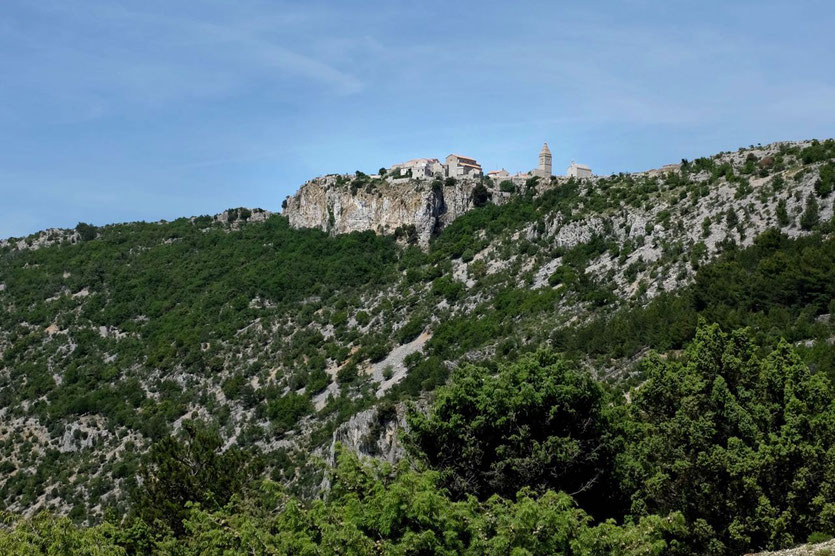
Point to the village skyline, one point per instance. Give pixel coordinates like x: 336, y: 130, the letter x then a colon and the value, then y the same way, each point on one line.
x: 117, y: 111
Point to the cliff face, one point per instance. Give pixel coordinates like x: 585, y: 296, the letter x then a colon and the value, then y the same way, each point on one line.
x: 374, y: 432
x: 334, y: 205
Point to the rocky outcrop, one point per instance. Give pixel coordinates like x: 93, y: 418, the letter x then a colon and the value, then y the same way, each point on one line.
x: 236, y: 216
x: 45, y: 238
x: 374, y: 432
x: 233, y: 218
x: 339, y: 204
x: 819, y: 549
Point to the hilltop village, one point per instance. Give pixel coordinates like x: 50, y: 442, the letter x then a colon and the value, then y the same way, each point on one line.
x: 397, y: 198
x: 458, y: 166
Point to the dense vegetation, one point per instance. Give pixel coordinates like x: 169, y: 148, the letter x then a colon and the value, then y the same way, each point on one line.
x: 134, y: 324
x: 372, y: 510
x: 778, y: 287
x: 743, y: 446
x: 721, y: 452
x: 116, y: 341
x: 541, y: 422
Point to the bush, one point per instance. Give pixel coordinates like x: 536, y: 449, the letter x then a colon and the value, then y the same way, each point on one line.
x: 285, y: 412
x: 388, y: 372
x: 481, y: 195
x: 782, y: 214
x: 85, y: 231
x: 362, y: 318
x: 194, y: 469
x: 731, y: 219
x: 728, y: 428
x: 317, y: 381
x: 347, y: 374
x: 540, y: 423
x: 563, y: 275
x: 811, y: 214
x: 411, y: 329
x: 408, y: 233
x: 826, y: 181
x: 507, y: 187
x: 448, y: 288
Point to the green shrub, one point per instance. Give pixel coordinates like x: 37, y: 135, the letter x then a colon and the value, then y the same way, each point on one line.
x: 481, y: 195
x: 826, y: 180
x: 362, y: 318
x: 86, y: 232
x: 347, y: 374
x: 782, y: 214
x: 193, y: 470
x: 285, y: 412
x: 754, y: 408
x: 563, y: 275
x: 411, y: 329
x: 539, y: 423
x: 811, y: 214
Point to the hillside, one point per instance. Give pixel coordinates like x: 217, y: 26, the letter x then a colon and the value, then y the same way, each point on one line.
x: 289, y: 331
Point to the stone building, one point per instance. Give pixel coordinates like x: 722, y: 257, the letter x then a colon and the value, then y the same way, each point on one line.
x: 578, y: 171
x: 544, y: 169
x: 421, y: 168
x: 458, y: 166
x: 666, y: 169
x: 498, y: 174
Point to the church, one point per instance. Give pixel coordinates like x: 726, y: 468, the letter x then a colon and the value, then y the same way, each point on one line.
x: 544, y: 169
x: 458, y: 166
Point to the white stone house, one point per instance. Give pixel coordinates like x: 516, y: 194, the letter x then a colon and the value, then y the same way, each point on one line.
x: 498, y: 174
x: 578, y: 171
x: 422, y: 168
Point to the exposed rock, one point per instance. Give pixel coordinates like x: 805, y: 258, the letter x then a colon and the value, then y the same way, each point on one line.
x: 45, y: 238
x: 81, y: 434
x: 235, y: 217
x: 373, y: 433
x: 396, y: 361
x: 821, y: 549
x: 330, y: 204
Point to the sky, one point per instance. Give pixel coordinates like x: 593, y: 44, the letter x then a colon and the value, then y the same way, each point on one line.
x: 114, y: 110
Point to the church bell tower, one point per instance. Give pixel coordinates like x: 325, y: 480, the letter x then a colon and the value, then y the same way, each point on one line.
x: 545, y: 161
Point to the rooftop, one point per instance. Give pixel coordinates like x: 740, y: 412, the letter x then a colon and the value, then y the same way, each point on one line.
x: 462, y: 157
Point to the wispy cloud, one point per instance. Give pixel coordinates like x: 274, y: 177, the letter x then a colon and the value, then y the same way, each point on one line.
x: 284, y: 59
x: 98, y: 58
x: 219, y: 101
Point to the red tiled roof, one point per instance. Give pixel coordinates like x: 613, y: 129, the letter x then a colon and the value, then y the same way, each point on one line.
x: 464, y: 158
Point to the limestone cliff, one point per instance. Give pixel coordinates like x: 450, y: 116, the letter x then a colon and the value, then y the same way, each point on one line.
x: 343, y: 204
x: 374, y: 432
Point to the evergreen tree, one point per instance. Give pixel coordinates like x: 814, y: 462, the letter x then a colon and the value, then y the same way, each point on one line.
x: 744, y: 447
x: 197, y: 470
x: 539, y: 423
x: 811, y: 215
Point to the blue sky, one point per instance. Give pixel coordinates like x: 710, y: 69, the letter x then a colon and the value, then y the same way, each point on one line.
x: 115, y: 111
